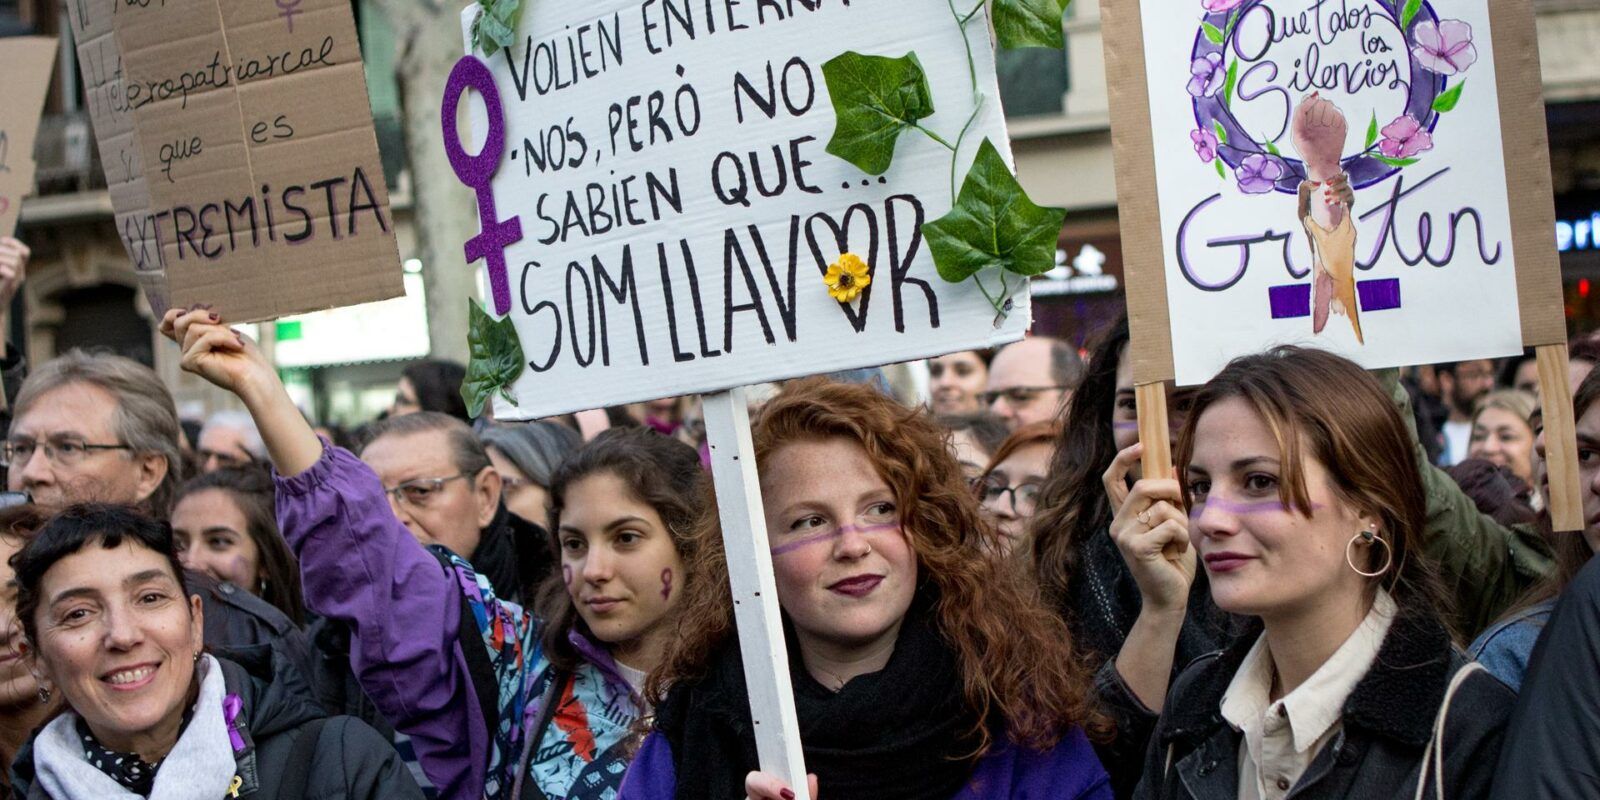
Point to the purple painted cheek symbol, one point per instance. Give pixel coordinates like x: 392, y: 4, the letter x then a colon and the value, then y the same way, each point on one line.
x: 477, y: 172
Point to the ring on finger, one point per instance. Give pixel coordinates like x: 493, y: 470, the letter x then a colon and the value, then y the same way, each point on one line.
x: 1144, y: 518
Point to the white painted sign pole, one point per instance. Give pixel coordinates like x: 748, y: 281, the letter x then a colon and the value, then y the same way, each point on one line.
x: 755, y: 593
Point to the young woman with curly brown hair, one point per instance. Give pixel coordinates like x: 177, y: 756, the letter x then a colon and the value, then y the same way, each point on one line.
x: 922, y: 666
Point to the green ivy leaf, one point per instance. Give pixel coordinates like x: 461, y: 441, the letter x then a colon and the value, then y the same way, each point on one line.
x: 496, y: 24
x: 1222, y: 133
x: 1413, y: 7
x: 993, y: 224
x: 496, y: 359
x: 1397, y: 162
x: 1212, y: 32
x: 1372, y: 132
x: 1230, y: 84
x: 875, y: 99
x: 1222, y: 171
x: 1029, y: 23
x: 1447, y: 101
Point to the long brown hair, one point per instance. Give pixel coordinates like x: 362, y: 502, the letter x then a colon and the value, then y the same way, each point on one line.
x: 1016, y: 658
x: 251, y: 490
x: 1072, y: 507
x: 1324, y: 407
x: 659, y: 471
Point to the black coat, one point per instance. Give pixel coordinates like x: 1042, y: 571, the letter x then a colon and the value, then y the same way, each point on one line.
x: 351, y: 761
x: 1553, y: 746
x: 1387, y: 724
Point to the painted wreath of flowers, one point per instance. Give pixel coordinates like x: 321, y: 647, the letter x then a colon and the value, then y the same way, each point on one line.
x: 1441, y: 46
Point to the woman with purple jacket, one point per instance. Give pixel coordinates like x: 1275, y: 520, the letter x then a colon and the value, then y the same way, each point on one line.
x: 499, y: 702
x: 922, y: 666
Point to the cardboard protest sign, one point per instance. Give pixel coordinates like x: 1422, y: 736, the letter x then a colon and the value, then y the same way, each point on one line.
x: 666, y: 206
x: 29, y: 60
x: 1367, y: 176
x: 238, y: 146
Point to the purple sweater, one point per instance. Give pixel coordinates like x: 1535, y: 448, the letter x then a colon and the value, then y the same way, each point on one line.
x: 1070, y: 771
x: 360, y: 566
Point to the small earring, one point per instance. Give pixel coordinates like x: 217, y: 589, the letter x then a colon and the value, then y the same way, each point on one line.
x: 1367, y: 537
x: 197, y: 656
x: 44, y: 696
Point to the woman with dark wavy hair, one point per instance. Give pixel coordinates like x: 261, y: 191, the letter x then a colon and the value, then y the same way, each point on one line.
x: 923, y: 667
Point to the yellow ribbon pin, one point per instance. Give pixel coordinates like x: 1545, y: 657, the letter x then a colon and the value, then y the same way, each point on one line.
x: 233, y: 788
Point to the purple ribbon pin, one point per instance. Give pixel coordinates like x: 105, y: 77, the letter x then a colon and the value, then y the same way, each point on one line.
x: 231, y: 706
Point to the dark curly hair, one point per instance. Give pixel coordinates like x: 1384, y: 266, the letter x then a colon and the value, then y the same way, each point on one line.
x: 658, y: 470
x: 1016, y: 658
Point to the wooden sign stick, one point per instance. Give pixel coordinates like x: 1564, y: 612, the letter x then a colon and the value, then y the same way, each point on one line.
x: 1154, y: 433
x: 755, y: 592
x: 1560, y: 439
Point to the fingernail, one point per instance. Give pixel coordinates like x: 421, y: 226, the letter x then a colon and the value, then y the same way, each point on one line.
x: 213, y: 316
x: 788, y: 794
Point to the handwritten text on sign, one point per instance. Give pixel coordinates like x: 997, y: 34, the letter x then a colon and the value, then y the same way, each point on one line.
x: 1263, y: 112
x: 28, y: 62
x: 238, y: 145
x: 664, y: 212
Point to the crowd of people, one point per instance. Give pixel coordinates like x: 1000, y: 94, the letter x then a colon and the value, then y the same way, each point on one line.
x: 1348, y: 588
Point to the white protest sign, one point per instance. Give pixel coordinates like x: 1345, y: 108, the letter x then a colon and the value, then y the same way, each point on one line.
x: 677, y: 210
x: 1252, y: 99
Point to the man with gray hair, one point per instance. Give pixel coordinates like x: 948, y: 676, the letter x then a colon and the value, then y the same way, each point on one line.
x: 94, y: 427
x: 229, y: 440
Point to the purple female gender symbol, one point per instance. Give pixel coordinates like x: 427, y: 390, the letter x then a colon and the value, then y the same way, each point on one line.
x: 477, y: 172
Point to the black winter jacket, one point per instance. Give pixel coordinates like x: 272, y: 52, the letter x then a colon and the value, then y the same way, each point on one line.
x: 1552, y: 749
x: 351, y: 762
x: 1387, y: 725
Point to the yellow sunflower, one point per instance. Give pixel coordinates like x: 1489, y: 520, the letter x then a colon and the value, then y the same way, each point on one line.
x: 847, y: 277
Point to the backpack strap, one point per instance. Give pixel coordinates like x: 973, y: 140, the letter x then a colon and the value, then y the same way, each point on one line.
x: 297, y: 770
x: 484, y: 682
x: 529, y: 789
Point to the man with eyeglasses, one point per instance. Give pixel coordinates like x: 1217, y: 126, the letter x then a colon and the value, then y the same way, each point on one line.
x: 229, y: 440
x: 94, y: 428
x: 1461, y: 386
x: 445, y: 490
x: 1031, y: 380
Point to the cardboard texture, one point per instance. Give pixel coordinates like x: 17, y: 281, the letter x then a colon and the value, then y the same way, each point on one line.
x: 678, y: 210
x: 28, y: 61
x: 1444, y: 145
x: 238, y: 146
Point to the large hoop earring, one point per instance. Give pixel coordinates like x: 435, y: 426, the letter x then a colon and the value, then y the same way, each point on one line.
x: 1369, y: 537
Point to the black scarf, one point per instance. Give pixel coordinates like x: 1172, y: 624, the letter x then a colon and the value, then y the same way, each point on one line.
x: 905, y: 732
x: 514, y: 554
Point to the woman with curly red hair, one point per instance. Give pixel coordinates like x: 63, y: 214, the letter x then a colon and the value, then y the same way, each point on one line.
x: 922, y: 666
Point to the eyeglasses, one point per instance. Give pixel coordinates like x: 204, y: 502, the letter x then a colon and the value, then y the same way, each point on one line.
x: 229, y: 460
x: 1016, y: 395
x: 421, y: 491
x: 64, y: 451
x: 1023, y: 498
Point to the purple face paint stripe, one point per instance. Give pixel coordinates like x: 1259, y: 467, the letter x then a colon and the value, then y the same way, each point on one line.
x: 1379, y: 295
x: 1290, y: 301
x: 833, y: 534
x: 1236, y: 507
x: 1124, y: 426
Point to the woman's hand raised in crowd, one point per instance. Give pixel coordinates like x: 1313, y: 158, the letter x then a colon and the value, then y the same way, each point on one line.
x: 762, y: 786
x: 231, y: 361
x: 217, y: 353
x: 1152, y: 532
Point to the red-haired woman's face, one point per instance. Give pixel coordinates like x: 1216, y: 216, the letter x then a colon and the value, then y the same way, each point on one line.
x: 1264, y: 558
x: 844, y: 566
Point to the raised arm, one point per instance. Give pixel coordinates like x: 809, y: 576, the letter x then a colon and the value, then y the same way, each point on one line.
x: 361, y: 566
x: 1486, y: 566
